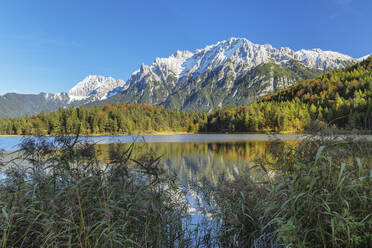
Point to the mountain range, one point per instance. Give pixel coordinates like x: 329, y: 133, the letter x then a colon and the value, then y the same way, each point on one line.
x: 230, y: 72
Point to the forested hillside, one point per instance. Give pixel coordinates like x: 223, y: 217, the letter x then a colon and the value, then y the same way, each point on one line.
x: 342, y: 98
x: 108, y: 119
x: 269, y: 116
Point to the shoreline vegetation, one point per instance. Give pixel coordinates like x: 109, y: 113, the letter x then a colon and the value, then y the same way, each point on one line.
x: 79, y: 200
x: 316, y: 193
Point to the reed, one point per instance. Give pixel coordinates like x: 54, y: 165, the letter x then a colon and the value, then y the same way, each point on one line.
x: 63, y: 193
x: 317, y: 193
x: 57, y: 193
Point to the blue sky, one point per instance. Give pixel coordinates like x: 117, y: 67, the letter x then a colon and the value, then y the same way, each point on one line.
x: 50, y: 45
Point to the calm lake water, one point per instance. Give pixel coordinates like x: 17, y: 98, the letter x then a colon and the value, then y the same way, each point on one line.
x: 190, y: 157
x: 10, y: 143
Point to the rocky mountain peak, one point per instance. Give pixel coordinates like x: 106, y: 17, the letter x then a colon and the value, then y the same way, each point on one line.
x: 95, y: 87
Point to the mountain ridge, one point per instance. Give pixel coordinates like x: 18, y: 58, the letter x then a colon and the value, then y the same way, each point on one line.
x: 234, y: 71
x: 186, y: 80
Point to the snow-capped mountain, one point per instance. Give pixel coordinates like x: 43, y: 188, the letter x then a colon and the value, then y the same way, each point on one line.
x: 240, y: 51
x: 96, y: 88
x: 230, y: 72
x: 234, y: 71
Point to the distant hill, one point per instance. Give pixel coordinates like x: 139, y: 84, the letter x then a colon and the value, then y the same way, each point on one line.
x: 92, y: 88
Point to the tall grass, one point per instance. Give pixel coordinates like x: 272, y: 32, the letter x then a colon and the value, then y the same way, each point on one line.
x: 315, y: 194
x: 62, y: 193
x: 57, y: 193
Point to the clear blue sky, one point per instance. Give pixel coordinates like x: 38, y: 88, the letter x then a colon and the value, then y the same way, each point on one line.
x: 50, y: 45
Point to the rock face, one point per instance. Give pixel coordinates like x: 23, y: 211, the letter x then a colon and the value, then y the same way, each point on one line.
x: 230, y: 72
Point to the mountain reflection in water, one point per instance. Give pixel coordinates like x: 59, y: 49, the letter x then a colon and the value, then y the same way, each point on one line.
x: 193, y: 161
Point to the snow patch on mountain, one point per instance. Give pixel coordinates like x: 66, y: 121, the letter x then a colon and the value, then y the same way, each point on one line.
x: 364, y: 57
x: 96, y: 88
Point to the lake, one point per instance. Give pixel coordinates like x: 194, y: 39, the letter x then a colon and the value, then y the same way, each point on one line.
x: 190, y: 157
x: 10, y: 143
